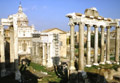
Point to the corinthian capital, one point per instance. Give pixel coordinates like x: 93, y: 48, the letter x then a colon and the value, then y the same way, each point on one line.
x: 71, y: 24
x: 81, y: 23
x: 88, y: 25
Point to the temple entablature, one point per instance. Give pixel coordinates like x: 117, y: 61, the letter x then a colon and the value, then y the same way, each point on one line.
x: 92, y: 19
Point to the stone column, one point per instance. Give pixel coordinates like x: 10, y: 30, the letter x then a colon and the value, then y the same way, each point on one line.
x: 72, y: 67
x: 117, y: 45
x: 102, y: 46
x: 88, y: 46
x: 108, y: 46
x: 81, y: 47
x: 39, y: 50
x: 44, y: 60
x: 37, y: 47
x: 2, y: 51
x: 15, y: 44
x: 48, y: 55
x: 33, y: 48
x: 12, y: 48
x: 96, y: 46
x: 51, y: 53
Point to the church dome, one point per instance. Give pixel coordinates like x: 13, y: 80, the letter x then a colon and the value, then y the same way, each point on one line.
x: 21, y: 15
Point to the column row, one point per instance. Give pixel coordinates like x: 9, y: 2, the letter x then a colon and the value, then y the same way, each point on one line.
x: 81, y: 46
x: 42, y: 51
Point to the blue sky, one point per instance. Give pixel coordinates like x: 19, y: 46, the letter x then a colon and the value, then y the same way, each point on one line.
x: 46, y: 14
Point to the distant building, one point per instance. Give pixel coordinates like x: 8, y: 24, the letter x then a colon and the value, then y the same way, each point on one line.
x: 62, y: 39
x: 112, y: 41
x: 28, y: 38
x: 45, y: 46
x: 24, y: 32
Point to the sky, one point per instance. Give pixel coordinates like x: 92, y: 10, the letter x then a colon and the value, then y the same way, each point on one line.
x: 45, y: 14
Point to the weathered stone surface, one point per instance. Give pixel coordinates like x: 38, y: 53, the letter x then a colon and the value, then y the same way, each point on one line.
x: 72, y: 68
x: 81, y: 47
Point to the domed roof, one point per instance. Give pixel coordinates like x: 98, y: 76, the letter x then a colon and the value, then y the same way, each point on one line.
x: 21, y: 15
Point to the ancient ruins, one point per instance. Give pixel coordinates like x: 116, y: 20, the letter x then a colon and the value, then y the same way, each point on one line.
x: 91, y: 18
x: 12, y: 23
x: 43, y: 47
x: 20, y: 41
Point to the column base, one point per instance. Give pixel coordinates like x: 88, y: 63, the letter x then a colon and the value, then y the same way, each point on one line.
x: 3, y: 73
x: 96, y: 64
x: 117, y: 63
x: 49, y: 64
x: 44, y: 63
x: 88, y: 65
x: 102, y: 63
x: 18, y: 76
x: 71, y: 68
x: 108, y: 62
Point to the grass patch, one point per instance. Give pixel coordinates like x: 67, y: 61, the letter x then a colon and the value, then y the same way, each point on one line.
x: 94, y: 69
x: 52, y: 77
x: 38, y: 67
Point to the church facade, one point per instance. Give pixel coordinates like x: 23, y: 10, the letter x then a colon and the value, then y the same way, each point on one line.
x: 24, y: 32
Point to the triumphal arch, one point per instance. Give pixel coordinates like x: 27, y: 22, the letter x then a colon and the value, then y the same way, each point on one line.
x: 91, y: 18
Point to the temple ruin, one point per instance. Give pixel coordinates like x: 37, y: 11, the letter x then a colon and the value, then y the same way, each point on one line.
x: 91, y: 18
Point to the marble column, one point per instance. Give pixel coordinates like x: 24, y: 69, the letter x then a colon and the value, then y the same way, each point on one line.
x: 48, y: 55
x: 96, y: 46
x: 81, y: 47
x: 44, y: 54
x: 33, y: 48
x: 72, y: 55
x: 102, y: 46
x: 2, y: 51
x: 88, y: 46
x: 39, y: 50
x: 12, y: 57
x: 37, y: 47
x: 117, y: 45
x: 15, y: 45
x: 108, y: 46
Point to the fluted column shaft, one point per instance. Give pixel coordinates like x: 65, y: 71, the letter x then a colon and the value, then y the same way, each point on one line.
x: 108, y: 46
x: 81, y: 47
x: 88, y: 46
x: 96, y: 46
x: 102, y: 46
x: 72, y: 56
x: 117, y: 46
